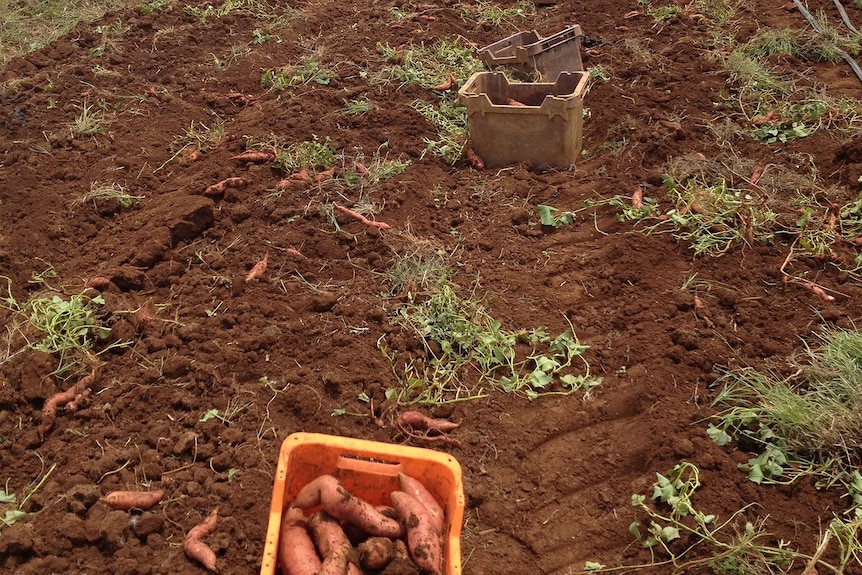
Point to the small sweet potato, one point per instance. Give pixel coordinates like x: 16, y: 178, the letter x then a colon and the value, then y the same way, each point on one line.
x: 423, y: 539
x: 415, y: 488
x: 328, y: 492
x: 127, y: 500
x: 194, y: 546
x: 375, y: 553
x: 296, y: 552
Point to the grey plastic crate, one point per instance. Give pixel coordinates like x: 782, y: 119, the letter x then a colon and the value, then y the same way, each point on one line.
x: 535, y: 58
x: 540, y: 123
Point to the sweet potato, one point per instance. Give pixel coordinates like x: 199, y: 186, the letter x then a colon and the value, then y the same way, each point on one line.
x: 360, y: 218
x: 301, y: 176
x: 127, y: 500
x: 446, y: 84
x: 220, y: 187
x: 418, y: 420
x: 424, y: 541
x: 638, y: 198
x: 328, y: 492
x: 69, y: 397
x: 99, y: 283
x: 473, y: 159
x: 415, y: 488
x: 194, y: 546
x: 258, y: 269
x: 296, y: 552
x: 254, y: 157
x: 331, y: 542
x: 375, y: 553
x: 325, y: 175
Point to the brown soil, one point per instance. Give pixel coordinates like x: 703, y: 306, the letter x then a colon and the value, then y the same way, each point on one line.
x: 548, y: 482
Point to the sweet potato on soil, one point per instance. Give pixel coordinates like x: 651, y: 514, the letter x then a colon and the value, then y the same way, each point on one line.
x: 194, y: 546
x: 301, y: 176
x: 254, y: 157
x: 418, y: 420
x: 325, y: 175
x: 817, y: 290
x: 418, y: 490
x: 128, y: 500
x: 328, y: 492
x: 220, y: 187
x: 446, y: 84
x: 70, y: 397
x: 424, y: 541
x: 418, y: 426
x: 99, y: 283
x: 473, y: 159
x: 258, y: 269
x: 296, y: 552
x: 638, y: 198
x: 360, y: 218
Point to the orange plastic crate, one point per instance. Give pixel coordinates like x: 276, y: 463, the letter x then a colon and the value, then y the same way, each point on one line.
x: 367, y: 469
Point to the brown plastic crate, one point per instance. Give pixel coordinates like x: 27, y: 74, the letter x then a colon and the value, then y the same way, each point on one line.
x: 537, y: 123
x: 535, y: 58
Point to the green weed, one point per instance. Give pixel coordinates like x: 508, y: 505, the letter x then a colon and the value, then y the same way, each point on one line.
x: 663, y: 14
x: 149, y: 6
x: 382, y: 167
x: 554, y: 217
x: 15, y: 512
x: 109, y: 192
x: 356, y: 106
x: 67, y: 327
x: 427, y: 66
x: 468, y: 352
x: 90, y: 121
x: 805, y: 424
x: 450, y: 121
x: 309, y: 154
x: 197, y: 137
x: 487, y: 11
x: 685, y: 539
x: 720, y: 12
x: 30, y: 25
x: 305, y: 72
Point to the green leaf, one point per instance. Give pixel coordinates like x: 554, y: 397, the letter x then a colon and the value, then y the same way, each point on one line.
x: 210, y: 414
x: 635, y: 530
x: 546, y: 364
x: 755, y: 473
x: 578, y: 381
x: 638, y: 500
x: 593, y: 566
x: 540, y: 379
x: 718, y: 435
x: 338, y: 412
x: 6, y: 497
x: 669, y: 533
x: 546, y: 214
x: 13, y: 515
